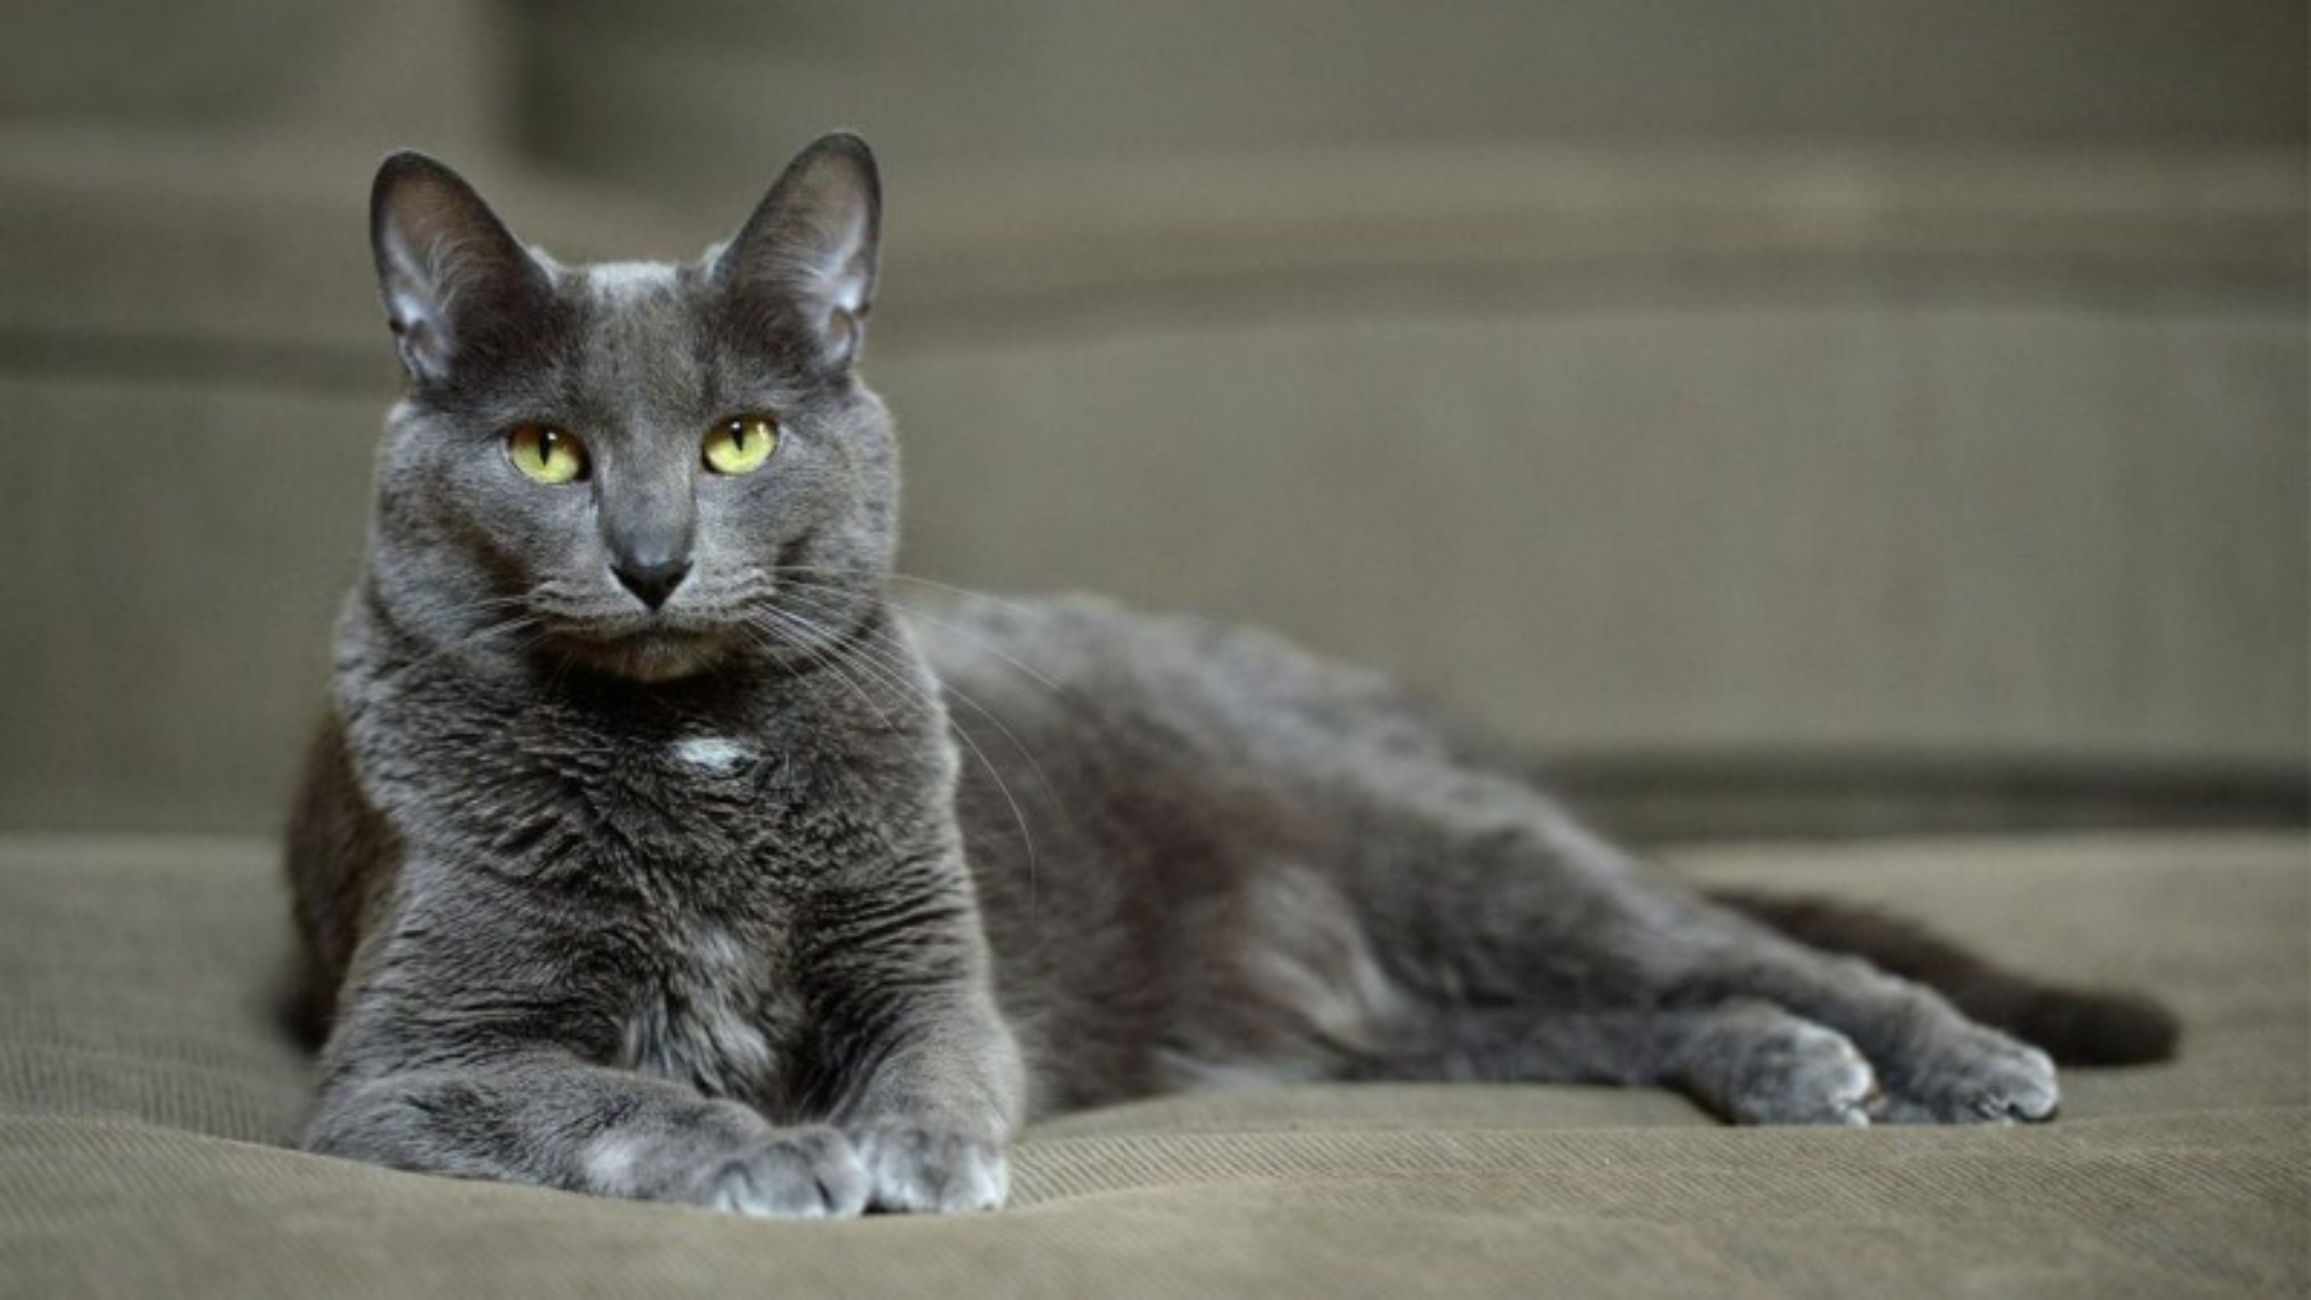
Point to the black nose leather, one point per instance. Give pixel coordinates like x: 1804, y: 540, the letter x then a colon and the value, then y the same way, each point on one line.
x: 652, y: 580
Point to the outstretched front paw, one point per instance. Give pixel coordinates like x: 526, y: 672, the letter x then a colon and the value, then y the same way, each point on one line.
x: 797, y: 1173
x: 919, y: 1168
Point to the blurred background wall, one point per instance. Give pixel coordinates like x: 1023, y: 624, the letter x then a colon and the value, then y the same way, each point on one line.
x: 1779, y: 417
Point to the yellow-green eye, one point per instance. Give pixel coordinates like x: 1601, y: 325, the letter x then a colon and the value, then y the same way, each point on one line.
x: 740, y: 444
x: 546, y: 454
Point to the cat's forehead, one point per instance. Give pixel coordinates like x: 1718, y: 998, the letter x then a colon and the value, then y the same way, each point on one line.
x: 639, y: 299
x: 616, y: 283
x: 640, y: 334
x: 644, y: 342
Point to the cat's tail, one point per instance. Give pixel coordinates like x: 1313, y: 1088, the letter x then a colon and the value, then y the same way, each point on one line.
x: 2074, y: 1026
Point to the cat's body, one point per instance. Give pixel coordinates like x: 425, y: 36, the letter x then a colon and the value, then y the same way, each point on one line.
x: 640, y: 857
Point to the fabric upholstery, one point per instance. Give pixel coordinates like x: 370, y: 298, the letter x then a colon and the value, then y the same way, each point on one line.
x: 144, y: 1092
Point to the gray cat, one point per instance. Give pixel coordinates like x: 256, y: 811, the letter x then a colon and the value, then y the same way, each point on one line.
x: 637, y: 857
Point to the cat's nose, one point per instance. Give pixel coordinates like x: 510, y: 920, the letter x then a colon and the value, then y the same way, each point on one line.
x: 652, y: 578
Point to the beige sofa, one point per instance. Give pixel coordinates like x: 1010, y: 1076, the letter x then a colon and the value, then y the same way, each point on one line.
x: 1880, y: 426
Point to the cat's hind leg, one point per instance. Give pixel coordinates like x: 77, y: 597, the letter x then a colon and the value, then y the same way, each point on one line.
x: 1749, y: 1062
x: 1495, y: 908
x: 1755, y: 1063
x: 1936, y: 1065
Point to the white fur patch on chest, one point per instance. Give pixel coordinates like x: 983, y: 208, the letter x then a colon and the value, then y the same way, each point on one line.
x: 715, y: 755
x: 711, y: 1022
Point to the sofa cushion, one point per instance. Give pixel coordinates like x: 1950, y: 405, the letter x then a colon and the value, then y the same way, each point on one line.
x: 145, y: 1091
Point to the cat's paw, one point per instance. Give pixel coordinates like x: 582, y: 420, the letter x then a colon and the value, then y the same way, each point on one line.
x: 1985, y: 1078
x: 811, y: 1172
x: 916, y: 1168
x: 1802, y: 1073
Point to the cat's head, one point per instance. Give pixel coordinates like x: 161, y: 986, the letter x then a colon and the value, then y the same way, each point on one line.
x: 639, y: 468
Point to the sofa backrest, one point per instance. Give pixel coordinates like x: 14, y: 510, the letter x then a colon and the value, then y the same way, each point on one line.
x: 1662, y: 452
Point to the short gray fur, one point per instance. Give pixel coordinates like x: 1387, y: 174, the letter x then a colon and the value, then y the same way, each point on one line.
x: 766, y: 891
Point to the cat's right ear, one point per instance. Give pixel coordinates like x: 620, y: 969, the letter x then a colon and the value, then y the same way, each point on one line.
x: 454, y: 279
x: 810, y: 247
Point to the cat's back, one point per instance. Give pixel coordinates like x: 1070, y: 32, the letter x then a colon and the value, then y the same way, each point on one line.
x: 1076, y: 667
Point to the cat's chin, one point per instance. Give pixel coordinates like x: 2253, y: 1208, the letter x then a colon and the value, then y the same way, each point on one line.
x: 650, y: 657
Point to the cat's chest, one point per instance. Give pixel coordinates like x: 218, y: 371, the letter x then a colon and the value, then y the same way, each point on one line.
x: 705, y: 784
x: 714, y: 1016
x: 711, y: 762
x: 546, y: 780
x: 695, y: 803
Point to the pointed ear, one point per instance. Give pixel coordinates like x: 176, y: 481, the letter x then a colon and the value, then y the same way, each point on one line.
x: 455, y: 281
x: 810, y: 245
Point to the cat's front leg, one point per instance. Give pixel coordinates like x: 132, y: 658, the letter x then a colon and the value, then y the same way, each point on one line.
x: 542, y: 1117
x: 928, y: 1079
x: 934, y: 1117
x: 475, y: 1042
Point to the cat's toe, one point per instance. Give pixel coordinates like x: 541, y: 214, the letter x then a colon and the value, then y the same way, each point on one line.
x: 922, y: 1169
x: 1804, y: 1074
x: 798, y: 1173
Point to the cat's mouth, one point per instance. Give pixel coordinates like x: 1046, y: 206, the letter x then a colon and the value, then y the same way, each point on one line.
x: 654, y: 653
x: 687, y: 638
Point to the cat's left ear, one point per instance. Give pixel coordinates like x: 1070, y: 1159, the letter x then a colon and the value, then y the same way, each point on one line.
x: 810, y: 245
